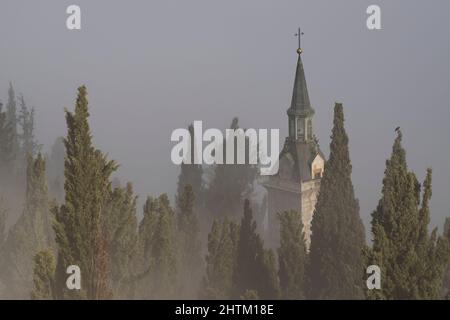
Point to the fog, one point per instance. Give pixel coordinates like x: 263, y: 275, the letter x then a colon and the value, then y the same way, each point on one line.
x: 154, y: 66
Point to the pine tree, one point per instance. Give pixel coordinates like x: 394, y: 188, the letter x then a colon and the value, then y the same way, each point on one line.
x: 337, y: 241
x: 412, y: 262
x: 189, y: 243
x: 31, y: 233
x: 292, y: 256
x: 255, y: 266
x: 79, y: 225
x: 43, y: 276
x: 121, y: 231
x: 220, y: 260
x: 26, y: 120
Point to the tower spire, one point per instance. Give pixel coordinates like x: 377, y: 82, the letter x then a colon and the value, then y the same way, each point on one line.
x: 300, y: 113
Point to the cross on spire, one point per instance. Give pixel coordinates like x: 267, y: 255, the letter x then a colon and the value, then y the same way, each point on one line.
x: 299, y: 36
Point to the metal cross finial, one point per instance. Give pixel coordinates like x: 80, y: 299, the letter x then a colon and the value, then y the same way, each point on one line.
x: 299, y: 35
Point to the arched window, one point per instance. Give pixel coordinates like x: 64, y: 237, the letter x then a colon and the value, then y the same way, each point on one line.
x: 309, y: 126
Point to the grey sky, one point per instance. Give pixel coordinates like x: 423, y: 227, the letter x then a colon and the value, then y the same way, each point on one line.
x: 153, y: 66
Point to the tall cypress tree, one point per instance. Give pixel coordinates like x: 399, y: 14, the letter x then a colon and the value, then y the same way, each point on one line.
x: 189, y: 243
x: 220, y: 260
x: 292, y: 256
x: 337, y: 237
x: 31, y: 233
x: 3, y: 217
x: 255, y: 267
x: 411, y: 261
x: 446, y: 282
x: 80, y: 235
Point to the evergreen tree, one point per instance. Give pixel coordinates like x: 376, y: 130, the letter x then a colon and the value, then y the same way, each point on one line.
x: 411, y: 261
x: 337, y: 241
x: 26, y: 121
x: 220, y: 260
x: 11, y: 118
x: 189, y: 247
x: 6, y: 146
x: 121, y: 231
x: 79, y: 225
x: 191, y: 174
x: 292, y: 256
x: 164, y: 252
x: 157, y: 262
x: 43, y: 276
x: 446, y: 282
x: 255, y: 266
x: 143, y: 260
x: 231, y: 183
x: 31, y: 233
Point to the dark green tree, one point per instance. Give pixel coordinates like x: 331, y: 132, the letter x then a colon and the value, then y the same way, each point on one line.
x: 338, y: 238
x: 44, y: 276
x: 79, y: 226
x: 412, y: 262
x: 220, y: 260
x: 191, y: 265
x: 255, y: 267
x: 31, y: 233
x: 292, y: 256
x: 3, y: 217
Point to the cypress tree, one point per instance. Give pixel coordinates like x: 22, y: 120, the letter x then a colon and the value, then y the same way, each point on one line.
x: 337, y: 239
x: 11, y: 118
x: 31, y: 233
x: 220, y: 260
x: 411, y: 261
x: 121, y: 232
x: 26, y: 120
x: 79, y: 225
x: 143, y: 260
x: 189, y: 243
x: 446, y: 282
x: 43, y: 276
x: 255, y: 266
x: 292, y: 256
x: 6, y: 146
x: 230, y: 184
x: 164, y: 252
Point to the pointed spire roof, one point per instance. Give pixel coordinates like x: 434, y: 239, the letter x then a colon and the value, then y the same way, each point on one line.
x: 300, y: 104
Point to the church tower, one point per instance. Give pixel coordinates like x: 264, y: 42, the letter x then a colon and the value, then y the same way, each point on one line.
x: 301, y: 163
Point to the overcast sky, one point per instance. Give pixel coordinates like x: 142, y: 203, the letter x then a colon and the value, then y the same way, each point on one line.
x: 154, y: 66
